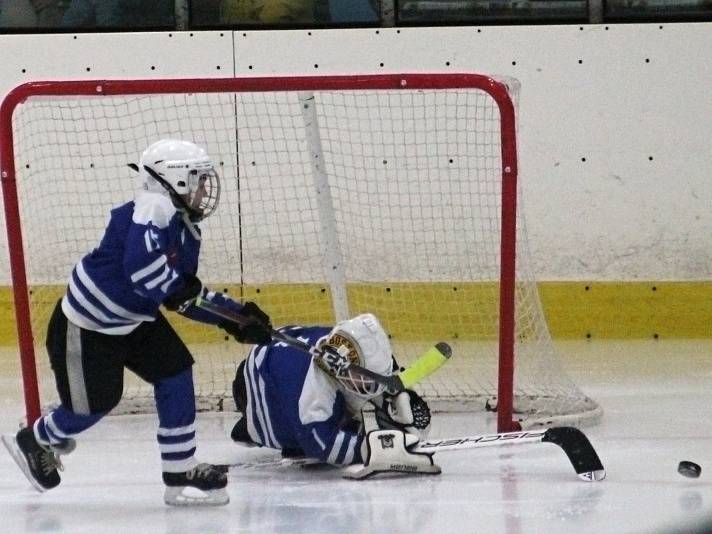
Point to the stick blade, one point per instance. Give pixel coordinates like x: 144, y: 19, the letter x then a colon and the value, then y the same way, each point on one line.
x: 579, y: 450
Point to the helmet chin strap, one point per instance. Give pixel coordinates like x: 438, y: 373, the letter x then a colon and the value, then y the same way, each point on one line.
x: 188, y: 214
x: 190, y: 225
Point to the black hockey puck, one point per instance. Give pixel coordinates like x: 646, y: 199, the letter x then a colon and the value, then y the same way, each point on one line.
x: 689, y: 469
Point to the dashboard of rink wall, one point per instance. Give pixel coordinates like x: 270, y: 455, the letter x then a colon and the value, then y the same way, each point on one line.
x: 614, y: 158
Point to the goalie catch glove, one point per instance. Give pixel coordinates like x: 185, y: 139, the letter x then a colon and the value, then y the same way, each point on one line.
x: 406, y: 411
x: 184, y: 297
x: 257, y: 328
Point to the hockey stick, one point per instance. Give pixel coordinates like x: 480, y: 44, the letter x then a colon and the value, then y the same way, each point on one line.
x: 269, y: 463
x: 572, y: 441
x: 425, y: 365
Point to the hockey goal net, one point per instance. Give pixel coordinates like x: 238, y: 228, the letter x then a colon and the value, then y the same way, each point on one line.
x: 393, y: 194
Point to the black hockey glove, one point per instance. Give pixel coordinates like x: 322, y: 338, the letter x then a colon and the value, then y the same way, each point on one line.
x: 406, y: 411
x: 185, y: 296
x: 257, y: 328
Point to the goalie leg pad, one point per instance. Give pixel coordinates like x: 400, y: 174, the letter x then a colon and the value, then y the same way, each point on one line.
x: 388, y: 453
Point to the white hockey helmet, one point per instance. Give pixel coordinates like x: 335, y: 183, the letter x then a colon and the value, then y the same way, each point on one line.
x: 185, y: 172
x: 364, y: 342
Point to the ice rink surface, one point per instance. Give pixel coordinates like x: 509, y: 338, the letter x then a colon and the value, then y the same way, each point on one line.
x: 657, y: 401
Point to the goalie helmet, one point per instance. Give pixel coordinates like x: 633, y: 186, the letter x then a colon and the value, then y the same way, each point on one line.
x: 364, y: 342
x: 185, y: 172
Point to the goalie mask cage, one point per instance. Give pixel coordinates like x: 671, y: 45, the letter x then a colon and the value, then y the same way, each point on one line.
x: 392, y: 194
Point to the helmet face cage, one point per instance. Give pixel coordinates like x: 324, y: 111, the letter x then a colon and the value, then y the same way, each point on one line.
x: 203, y: 192
x: 359, y: 385
x: 352, y: 381
x: 198, y: 185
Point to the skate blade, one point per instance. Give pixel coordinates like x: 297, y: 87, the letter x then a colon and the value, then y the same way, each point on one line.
x: 593, y: 476
x: 187, y: 496
x: 11, y: 445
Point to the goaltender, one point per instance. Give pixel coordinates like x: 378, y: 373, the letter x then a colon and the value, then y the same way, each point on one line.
x: 292, y: 402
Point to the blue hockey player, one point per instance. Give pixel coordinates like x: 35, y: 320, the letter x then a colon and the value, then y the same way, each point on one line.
x: 295, y: 403
x: 109, y: 319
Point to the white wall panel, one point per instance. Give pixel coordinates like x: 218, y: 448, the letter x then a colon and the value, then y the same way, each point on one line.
x: 101, y: 56
x: 597, y: 102
x: 114, y: 55
x: 596, y: 105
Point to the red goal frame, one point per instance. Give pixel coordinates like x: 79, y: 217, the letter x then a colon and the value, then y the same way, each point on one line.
x: 92, y: 88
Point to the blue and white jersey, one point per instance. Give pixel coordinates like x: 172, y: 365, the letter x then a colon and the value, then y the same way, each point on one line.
x: 293, y: 404
x: 139, y: 262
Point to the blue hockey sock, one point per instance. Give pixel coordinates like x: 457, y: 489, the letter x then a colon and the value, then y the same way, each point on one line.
x: 175, y: 403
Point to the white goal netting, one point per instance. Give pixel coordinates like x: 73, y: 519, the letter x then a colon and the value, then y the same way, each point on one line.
x: 333, y: 203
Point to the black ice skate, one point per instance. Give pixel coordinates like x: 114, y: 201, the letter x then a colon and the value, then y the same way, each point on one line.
x: 40, y: 464
x: 205, y: 478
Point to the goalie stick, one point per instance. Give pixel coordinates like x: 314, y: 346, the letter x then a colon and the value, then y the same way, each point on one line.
x: 573, y: 442
x: 425, y: 365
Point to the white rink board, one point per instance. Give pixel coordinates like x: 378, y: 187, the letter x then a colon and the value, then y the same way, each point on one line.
x: 615, y: 97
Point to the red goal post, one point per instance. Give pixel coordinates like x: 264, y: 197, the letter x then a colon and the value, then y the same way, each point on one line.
x: 372, y: 87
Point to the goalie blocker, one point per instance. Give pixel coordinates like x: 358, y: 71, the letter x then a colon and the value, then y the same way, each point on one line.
x: 389, y: 451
